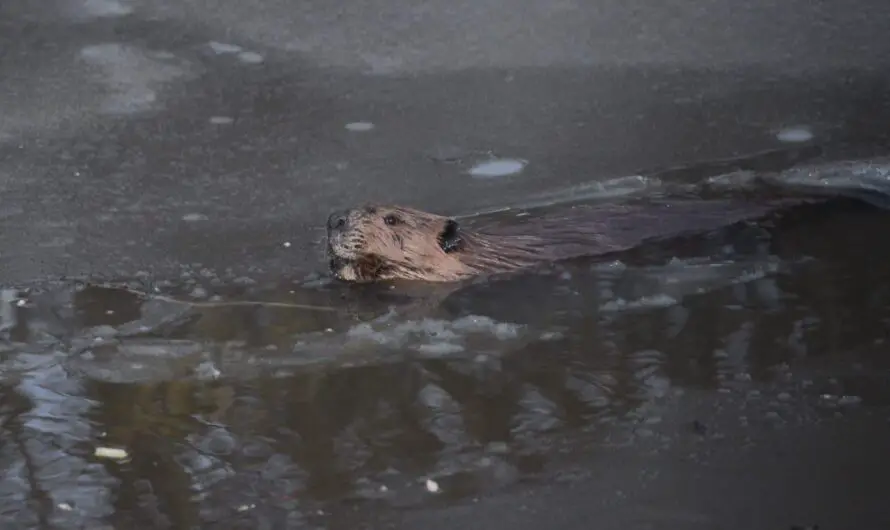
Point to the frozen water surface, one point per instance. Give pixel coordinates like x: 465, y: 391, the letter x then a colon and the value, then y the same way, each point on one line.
x: 173, y: 354
x: 250, y: 57
x: 795, y: 134
x: 193, y: 217
x: 359, y: 126
x: 224, y: 47
x: 106, y: 8
x: 497, y: 168
x: 132, y: 77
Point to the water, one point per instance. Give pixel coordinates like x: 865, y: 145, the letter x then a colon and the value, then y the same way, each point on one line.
x: 301, y: 401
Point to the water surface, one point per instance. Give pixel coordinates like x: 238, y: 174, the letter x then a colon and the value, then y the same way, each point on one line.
x: 296, y: 401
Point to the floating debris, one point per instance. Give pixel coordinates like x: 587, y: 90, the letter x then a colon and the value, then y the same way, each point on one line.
x: 111, y: 453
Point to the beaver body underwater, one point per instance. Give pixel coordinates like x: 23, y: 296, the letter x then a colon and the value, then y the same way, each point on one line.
x: 380, y: 242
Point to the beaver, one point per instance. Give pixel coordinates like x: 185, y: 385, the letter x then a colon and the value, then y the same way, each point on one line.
x: 377, y: 242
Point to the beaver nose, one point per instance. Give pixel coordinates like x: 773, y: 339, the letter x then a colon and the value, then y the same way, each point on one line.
x: 337, y: 220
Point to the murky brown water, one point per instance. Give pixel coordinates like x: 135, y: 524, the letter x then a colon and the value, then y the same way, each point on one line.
x: 326, y: 397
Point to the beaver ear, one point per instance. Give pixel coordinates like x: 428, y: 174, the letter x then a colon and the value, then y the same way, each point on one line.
x: 449, y: 237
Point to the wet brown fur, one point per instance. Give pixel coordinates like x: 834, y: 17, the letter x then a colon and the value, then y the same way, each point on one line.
x: 380, y: 242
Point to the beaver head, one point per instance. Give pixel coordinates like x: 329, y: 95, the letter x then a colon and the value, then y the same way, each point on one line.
x: 379, y: 242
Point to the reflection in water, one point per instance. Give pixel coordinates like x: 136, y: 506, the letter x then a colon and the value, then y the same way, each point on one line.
x: 274, y: 414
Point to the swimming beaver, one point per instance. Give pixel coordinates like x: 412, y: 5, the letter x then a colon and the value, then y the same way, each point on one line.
x: 380, y: 242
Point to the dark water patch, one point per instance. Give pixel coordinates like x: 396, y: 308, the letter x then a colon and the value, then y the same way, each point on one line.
x: 298, y: 401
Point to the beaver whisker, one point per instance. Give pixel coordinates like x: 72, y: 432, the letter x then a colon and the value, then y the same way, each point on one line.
x: 335, y: 263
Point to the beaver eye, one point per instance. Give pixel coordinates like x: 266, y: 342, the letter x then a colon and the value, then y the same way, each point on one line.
x: 392, y: 220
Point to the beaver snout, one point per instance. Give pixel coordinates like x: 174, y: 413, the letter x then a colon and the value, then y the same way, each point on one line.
x: 337, y: 221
